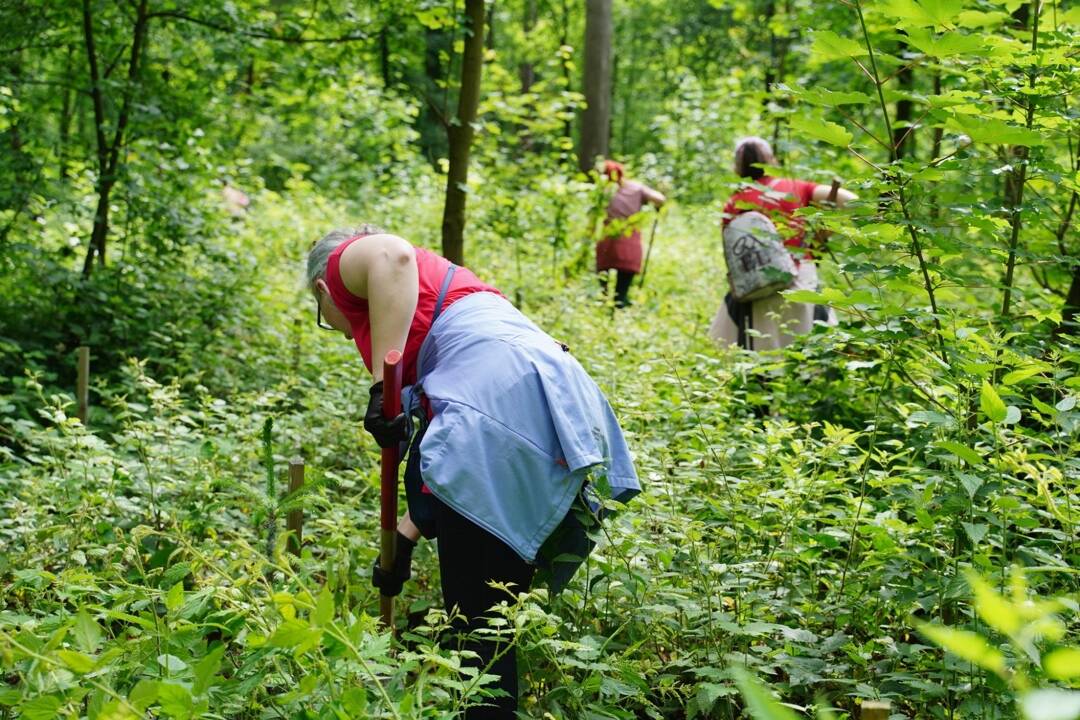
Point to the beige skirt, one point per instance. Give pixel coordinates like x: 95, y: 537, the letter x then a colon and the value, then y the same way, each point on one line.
x: 774, y: 322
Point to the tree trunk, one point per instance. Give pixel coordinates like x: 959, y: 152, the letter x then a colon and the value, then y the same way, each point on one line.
x: 596, y: 118
x: 65, y: 120
x: 109, y: 154
x: 903, y: 138
x: 526, y: 71
x: 384, y: 52
x: 460, y: 135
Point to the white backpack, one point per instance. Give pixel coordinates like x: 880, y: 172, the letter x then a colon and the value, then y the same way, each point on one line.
x: 758, y: 262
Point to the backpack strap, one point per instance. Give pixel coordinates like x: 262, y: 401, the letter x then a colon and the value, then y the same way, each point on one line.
x: 442, y: 291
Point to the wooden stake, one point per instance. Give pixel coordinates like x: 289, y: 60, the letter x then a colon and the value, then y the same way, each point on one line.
x: 295, y: 520
x: 874, y: 710
x: 82, y: 386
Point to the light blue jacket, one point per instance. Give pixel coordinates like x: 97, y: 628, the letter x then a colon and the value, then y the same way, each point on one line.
x: 517, y: 425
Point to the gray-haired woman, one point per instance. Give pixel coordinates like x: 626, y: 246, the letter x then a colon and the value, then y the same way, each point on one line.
x: 509, y: 428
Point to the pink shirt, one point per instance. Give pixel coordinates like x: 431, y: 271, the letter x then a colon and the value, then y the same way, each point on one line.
x: 627, y: 201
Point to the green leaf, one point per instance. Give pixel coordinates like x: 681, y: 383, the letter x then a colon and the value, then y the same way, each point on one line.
x: 1050, y: 704
x: 820, y: 129
x: 295, y: 634
x: 961, y: 451
x: 144, y: 694
x: 971, y: 483
x: 174, y: 600
x: 87, y: 633
x: 324, y: 608
x: 827, y: 98
x: 1062, y: 664
x: 1021, y: 374
x: 43, y: 707
x: 206, y: 669
x: 355, y: 701
x: 998, y: 612
x: 948, y: 44
x: 760, y: 704
x: 830, y: 46
x: 976, y: 531
x: 77, y: 661
x: 993, y: 131
x: 967, y: 645
x: 991, y: 403
x: 171, y: 663
x: 175, y: 700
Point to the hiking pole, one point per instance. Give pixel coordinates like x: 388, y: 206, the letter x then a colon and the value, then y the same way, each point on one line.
x: 388, y: 488
x: 652, y: 236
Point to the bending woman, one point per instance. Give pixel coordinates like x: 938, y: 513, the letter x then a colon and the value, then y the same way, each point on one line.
x: 775, y: 321
x: 509, y: 428
x: 620, y: 248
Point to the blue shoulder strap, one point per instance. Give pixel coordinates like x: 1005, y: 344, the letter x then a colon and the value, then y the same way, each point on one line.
x: 442, y: 291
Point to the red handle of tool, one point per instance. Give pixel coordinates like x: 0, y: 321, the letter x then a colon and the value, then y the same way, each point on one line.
x: 388, y: 488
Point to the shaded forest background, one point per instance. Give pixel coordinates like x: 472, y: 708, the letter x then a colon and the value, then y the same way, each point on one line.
x: 831, y: 518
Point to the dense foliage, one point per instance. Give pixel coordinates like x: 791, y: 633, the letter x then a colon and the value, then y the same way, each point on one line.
x: 885, y: 510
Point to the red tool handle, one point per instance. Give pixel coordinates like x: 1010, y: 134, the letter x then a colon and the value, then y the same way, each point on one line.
x: 388, y: 489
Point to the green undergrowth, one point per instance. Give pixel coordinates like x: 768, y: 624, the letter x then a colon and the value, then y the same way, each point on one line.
x: 803, y: 515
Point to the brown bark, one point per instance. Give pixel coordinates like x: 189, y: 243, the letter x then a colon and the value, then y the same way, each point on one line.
x: 460, y: 135
x: 595, y: 120
x: 526, y: 71
x: 109, y: 154
x: 903, y: 138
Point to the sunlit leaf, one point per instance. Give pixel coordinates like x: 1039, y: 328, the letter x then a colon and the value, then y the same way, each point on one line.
x: 991, y: 403
x: 998, y: 612
x: 820, y: 129
x: 759, y: 703
x: 1062, y: 664
x: 967, y: 645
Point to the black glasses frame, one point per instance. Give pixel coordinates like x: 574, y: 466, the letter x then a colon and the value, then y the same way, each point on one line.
x: 318, y: 316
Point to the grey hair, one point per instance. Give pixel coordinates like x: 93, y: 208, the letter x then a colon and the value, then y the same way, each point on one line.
x: 319, y: 254
x: 751, y: 151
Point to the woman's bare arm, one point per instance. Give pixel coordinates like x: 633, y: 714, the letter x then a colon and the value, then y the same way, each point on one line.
x: 843, y: 197
x: 653, y: 196
x: 382, y: 268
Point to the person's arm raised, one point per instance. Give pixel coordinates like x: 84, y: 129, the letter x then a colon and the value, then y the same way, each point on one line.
x: 843, y: 197
x: 653, y: 196
x: 382, y: 268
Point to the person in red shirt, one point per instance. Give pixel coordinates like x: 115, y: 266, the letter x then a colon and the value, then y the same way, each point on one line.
x: 504, y: 429
x: 620, y: 248
x: 774, y: 320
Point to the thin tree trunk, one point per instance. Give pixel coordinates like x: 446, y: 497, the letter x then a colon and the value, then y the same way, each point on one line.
x: 384, y: 53
x: 903, y: 138
x: 460, y: 135
x: 596, y: 118
x: 526, y: 71
x: 109, y: 154
x: 1018, y: 178
x: 65, y: 119
x: 564, y: 41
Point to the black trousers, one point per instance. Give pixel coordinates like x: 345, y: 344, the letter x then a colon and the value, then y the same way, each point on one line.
x: 623, y: 280
x: 470, y: 557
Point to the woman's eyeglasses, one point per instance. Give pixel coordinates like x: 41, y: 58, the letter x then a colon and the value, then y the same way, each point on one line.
x: 318, y: 316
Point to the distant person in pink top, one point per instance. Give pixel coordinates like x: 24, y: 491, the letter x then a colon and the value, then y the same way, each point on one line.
x: 620, y: 248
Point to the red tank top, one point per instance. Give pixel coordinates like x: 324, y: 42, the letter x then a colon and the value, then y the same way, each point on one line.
x: 431, y: 269
x: 797, y: 194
